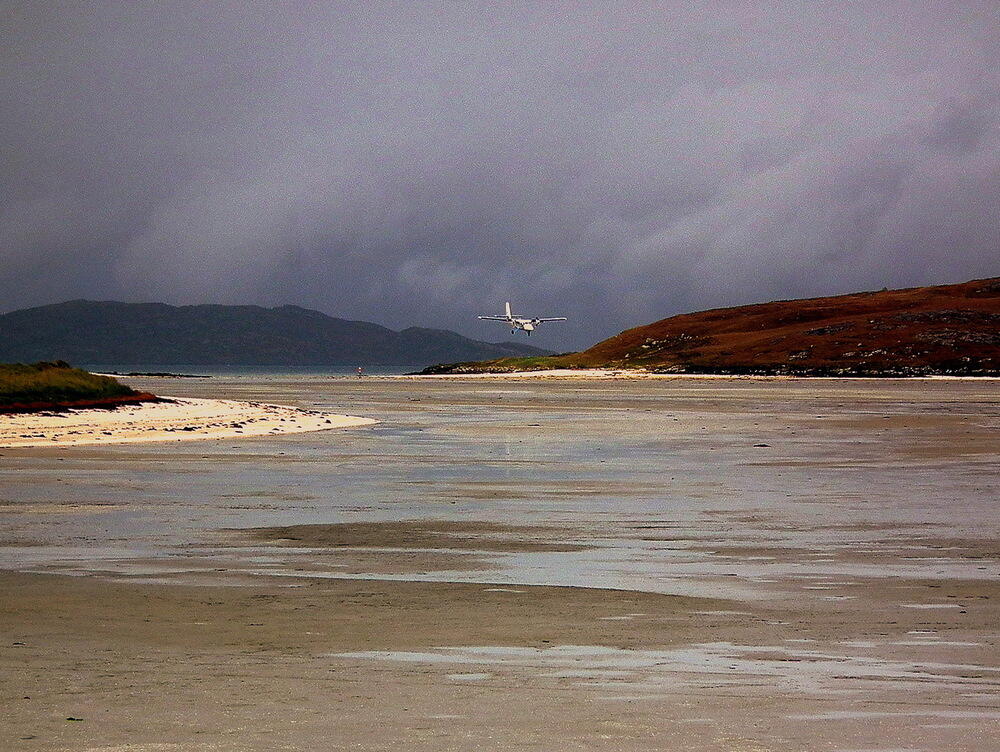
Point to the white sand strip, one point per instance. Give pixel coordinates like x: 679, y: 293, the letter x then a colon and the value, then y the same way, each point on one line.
x: 598, y: 374
x: 554, y: 373
x: 581, y: 373
x: 184, y: 419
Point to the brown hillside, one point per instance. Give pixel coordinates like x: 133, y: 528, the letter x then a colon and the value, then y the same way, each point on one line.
x: 948, y: 329
x: 943, y: 329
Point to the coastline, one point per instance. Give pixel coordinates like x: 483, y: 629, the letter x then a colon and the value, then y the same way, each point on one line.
x: 174, y: 419
x: 599, y: 374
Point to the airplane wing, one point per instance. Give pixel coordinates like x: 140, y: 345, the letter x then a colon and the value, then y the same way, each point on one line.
x: 492, y: 318
x: 558, y: 318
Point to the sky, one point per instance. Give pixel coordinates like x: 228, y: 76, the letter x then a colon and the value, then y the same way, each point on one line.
x: 420, y: 163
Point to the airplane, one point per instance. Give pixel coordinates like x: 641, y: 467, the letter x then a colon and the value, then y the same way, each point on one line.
x: 515, y: 322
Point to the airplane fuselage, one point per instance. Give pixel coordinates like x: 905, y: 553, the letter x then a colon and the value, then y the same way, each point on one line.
x: 519, y: 324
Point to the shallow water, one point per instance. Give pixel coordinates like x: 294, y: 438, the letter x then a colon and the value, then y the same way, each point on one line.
x: 808, y: 672
x: 851, y: 497
x: 667, y: 480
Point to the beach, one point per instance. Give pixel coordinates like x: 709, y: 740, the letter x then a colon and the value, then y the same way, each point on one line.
x: 690, y: 564
x: 605, y: 374
x: 173, y: 419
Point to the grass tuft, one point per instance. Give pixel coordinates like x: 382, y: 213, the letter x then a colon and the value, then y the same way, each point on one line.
x: 56, y: 382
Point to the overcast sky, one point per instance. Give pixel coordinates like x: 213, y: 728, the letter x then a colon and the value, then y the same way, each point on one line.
x: 418, y: 163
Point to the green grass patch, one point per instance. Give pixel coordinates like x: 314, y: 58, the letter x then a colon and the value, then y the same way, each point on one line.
x: 55, y: 382
x: 508, y: 365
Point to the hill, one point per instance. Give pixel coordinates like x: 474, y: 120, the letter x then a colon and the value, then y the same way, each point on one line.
x: 47, y: 386
x: 84, y: 331
x: 947, y: 329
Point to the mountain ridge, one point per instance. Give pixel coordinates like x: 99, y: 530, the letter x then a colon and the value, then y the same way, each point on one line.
x: 88, y: 331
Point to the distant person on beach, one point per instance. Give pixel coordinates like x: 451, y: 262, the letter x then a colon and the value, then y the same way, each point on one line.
x: 361, y: 372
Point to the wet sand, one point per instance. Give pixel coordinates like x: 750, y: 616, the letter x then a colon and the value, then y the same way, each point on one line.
x: 345, y: 664
x: 476, y: 536
x: 681, y: 566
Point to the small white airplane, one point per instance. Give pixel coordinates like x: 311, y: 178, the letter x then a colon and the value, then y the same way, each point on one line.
x: 526, y: 325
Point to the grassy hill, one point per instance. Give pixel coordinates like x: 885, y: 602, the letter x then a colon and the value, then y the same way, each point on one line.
x: 83, y: 331
x: 946, y: 329
x: 52, y: 385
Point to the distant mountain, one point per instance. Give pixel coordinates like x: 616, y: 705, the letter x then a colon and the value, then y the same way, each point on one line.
x: 84, y: 331
x: 947, y: 329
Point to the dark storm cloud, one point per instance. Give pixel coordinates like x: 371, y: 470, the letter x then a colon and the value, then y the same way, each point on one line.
x: 420, y: 163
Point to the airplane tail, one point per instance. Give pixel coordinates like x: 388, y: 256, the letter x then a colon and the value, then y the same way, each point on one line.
x: 508, y: 310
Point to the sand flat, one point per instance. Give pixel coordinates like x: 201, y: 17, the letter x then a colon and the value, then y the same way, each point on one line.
x: 407, y: 534
x: 689, y: 564
x: 180, y: 419
x: 373, y: 665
